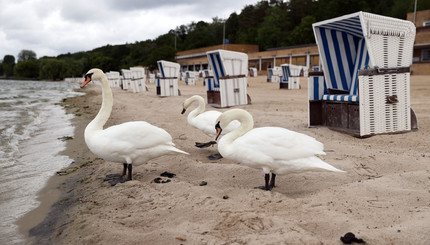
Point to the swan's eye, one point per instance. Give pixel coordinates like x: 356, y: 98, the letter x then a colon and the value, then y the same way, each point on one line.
x: 88, y: 75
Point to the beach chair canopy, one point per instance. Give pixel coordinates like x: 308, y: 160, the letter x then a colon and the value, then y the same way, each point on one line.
x: 227, y: 63
x: 359, y: 41
x: 288, y: 71
x: 137, y: 72
x: 168, y: 69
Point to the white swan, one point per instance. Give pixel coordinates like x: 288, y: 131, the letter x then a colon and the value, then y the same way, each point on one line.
x: 273, y: 149
x: 204, y: 120
x: 130, y: 143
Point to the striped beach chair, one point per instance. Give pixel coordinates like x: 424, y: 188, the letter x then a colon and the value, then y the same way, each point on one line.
x: 228, y: 87
x: 209, y: 81
x: 167, y: 81
x: 191, y: 77
x: 253, y: 72
x: 274, y: 74
x: 290, y: 76
x: 363, y: 88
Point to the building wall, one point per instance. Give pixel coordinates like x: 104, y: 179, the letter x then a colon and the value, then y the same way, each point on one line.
x: 421, y: 65
x: 423, y: 15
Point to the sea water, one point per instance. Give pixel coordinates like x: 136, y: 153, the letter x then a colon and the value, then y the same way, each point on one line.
x: 31, y: 127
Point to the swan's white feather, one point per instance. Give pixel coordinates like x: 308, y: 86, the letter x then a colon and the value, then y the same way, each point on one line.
x: 205, y: 120
x: 131, y: 142
x: 272, y: 149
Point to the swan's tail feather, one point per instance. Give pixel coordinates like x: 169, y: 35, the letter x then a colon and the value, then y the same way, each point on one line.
x: 179, y: 151
x: 323, y: 165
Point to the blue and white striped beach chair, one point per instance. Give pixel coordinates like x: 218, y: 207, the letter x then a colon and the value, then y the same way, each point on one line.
x: 290, y: 76
x: 167, y: 81
x: 253, y: 72
x: 274, y: 74
x: 364, y: 84
x: 229, y: 86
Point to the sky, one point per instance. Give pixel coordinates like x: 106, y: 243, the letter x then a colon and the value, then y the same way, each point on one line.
x: 53, y: 27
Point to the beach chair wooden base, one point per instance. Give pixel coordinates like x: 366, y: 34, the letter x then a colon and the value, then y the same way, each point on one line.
x: 283, y: 85
x: 214, y: 99
x: 343, y: 117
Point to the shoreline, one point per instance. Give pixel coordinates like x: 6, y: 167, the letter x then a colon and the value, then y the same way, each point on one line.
x: 303, y: 208
x: 39, y: 225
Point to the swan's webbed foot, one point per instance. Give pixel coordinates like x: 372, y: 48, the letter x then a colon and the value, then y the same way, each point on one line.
x: 204, y: 145
x: 215, y: 156
x: 269, y: 183
x: 114, y: 179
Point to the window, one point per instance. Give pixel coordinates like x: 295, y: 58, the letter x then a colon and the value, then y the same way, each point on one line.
x: 425, y: 55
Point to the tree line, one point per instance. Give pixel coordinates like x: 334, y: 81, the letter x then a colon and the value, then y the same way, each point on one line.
x: 269, y: 24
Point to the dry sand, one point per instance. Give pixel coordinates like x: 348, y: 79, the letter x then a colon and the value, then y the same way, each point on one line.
x: 384, y: 198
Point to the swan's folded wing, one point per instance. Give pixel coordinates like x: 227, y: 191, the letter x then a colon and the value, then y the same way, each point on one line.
x: 138, y: 134
x: 206, y: 122
x: 280, y: 143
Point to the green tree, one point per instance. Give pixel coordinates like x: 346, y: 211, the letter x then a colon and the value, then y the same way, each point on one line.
x: 1, y: 68
x: 26, y: 54
x: 27, y: 69
x: 303, y: 33
x: 51, y: 69
x: 8, y: 65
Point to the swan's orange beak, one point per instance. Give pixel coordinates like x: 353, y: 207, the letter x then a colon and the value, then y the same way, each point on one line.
x: 218, y: 131
x: 87, y: 80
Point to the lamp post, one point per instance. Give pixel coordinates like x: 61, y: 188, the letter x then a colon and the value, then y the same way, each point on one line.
x: 223, y: 36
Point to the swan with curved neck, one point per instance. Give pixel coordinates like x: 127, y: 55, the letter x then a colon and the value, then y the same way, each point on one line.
x: 273, y: 149
x: 130, y: 143
x: 204, y: 121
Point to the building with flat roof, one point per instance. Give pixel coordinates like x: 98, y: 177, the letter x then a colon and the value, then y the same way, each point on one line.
x: 421, y: 57
x: 306, y: 55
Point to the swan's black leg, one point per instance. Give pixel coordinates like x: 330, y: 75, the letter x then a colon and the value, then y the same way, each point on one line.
x: 124, y: 171
x: 272, y: 181
x: 266, y: 180
x: 130, y: 170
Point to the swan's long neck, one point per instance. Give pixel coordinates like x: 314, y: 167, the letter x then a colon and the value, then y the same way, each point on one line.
x: 104, y: 113
x: 246, y: 124
x: 200, y: 108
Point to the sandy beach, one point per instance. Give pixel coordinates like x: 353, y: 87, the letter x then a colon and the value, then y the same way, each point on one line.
x: 383, y: 198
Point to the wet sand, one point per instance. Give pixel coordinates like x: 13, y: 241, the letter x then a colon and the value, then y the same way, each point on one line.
x: 384, y: 198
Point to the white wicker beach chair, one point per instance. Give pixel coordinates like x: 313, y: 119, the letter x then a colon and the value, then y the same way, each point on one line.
x: 229, y: 81
x: 126, y: 79
x: 138, y: 76
x: 274, y: 74
x: 363, y: 88
x: 290, y: 76
x: 253, y: 72
x: 191, y: 77
x: 114, y: 79
x: 167, y: 81
x: 151, y: 78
